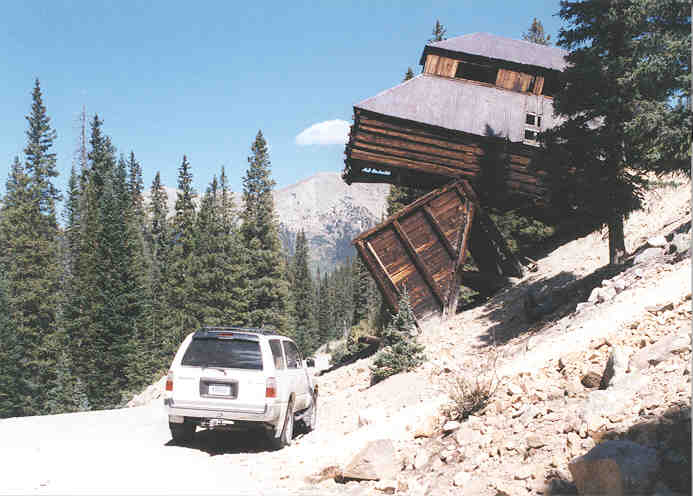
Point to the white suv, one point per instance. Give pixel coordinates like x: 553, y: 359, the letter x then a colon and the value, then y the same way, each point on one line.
x: 229, y: 377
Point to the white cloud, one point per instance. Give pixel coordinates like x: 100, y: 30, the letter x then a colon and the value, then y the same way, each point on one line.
x: 334, y: 132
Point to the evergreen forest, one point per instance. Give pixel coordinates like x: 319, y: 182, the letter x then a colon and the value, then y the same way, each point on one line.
x: 95, y: 304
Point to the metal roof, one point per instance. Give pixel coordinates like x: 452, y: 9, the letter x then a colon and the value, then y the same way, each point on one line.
x: 498, y: 47
x: 462, y: 106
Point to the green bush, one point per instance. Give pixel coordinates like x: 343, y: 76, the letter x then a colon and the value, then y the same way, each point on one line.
x: 400, y: 352
x: 348, y: 348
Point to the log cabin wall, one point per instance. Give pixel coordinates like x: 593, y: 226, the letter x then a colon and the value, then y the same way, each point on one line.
x: 500, y: 172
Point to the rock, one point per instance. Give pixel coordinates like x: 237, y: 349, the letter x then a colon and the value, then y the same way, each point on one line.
x: 428, y: 422
x: 591, y: 380
x: 326, y: 473
x: 451, y: 425
x: 461, y: 479
x: 619, y: 285
x: 657, y: 241
x: 648, y: 255
x: 615, y: 400
x: 423, y: 456
x: 534, y: 441
x: 681, y: 243
x: 615, y: 468
x: 568, y: 359
x: 599, y: 295
x: 376, y: 461
x: 616, y: 367
x: 523, y: 472
x: 387, y: 486
x: 582, y: 306
x: 507, y: 488
x: 465, y: 435
x: 659, y: 351
x: 370, y: 416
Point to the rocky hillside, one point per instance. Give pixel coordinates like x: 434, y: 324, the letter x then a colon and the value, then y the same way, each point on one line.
x: 591, y: 397
x: 331, y: 213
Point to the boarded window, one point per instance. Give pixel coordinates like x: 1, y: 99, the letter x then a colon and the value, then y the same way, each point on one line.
x: 476, y: 72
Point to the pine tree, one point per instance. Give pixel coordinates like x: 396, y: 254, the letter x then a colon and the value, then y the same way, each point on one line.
x: 109, y: 290
x: 182, y: 317
x: 268, y: 288
x: 400, y: 352
x: 158, y: 242
x: 438, y: 32
x: 235, y: 283
x: 535, y: 34
x: 30, y: 254
x: 408, y: 75
x: 11, y: 376
x: 626, y: 101
x: 305, y: 325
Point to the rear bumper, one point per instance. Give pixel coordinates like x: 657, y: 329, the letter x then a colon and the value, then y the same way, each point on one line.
x: 270, y: 415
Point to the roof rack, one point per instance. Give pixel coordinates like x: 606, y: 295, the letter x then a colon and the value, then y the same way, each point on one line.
x: 258, y: 330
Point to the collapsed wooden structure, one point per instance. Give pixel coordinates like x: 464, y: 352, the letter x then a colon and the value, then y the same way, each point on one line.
x: 421, y: 248
x: 469, y: 126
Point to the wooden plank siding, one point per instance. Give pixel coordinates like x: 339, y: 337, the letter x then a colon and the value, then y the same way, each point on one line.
x: 513, y: 80
x: 496, y: 168
x: 423, y: 246
x: 440, y: 66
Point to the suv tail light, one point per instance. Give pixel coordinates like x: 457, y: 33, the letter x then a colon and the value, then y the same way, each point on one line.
x: 271, y: 388
x: 169, y: 381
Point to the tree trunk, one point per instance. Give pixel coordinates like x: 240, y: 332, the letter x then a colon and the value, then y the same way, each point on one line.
x: 617, y: 243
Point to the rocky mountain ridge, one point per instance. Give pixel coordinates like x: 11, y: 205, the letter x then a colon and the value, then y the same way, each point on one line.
x: 330, y: 212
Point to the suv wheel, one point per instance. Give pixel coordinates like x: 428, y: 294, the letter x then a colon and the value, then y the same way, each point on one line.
x: 182, y: 433
x: 287, y: 434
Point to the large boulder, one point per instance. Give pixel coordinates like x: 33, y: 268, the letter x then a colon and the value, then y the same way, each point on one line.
x: 615, y: 468
x: 377, y: 461
x: 659, y: 351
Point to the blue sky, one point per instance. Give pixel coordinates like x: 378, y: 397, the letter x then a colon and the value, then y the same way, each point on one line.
x: 200, y: 78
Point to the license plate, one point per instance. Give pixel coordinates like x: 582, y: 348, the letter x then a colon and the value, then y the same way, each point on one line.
x: 220, y: 389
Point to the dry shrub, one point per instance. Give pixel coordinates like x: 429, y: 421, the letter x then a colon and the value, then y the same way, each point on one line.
x: 470, y: 396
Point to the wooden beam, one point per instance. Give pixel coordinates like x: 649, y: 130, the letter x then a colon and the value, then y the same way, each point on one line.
x: 439, y: 231
x: 418, y: 262
x: 455, y: 280
x: 389, y: 289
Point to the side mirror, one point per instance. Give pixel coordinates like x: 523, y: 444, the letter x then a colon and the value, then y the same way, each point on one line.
x: 310, y: 362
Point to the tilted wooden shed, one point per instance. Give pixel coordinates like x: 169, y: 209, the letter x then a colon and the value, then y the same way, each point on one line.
x: 423, y: 246
x: 474, y: 113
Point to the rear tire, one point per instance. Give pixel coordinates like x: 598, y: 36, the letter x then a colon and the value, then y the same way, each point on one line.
x: 287, y: 434
x: 182, y: 433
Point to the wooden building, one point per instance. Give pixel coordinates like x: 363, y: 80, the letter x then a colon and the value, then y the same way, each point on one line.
x: 474, y: 113
x: 424, y: 246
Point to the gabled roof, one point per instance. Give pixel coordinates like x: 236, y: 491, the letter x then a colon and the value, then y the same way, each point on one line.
x: 500, y: 48
x: 461, y: 106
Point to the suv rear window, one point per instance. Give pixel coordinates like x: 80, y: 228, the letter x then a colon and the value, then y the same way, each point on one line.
x: 226, y: 353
